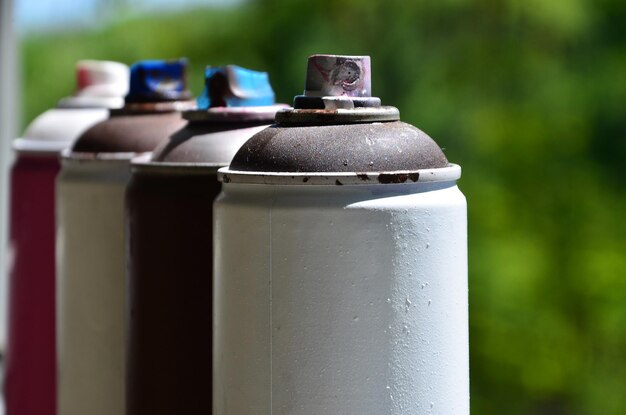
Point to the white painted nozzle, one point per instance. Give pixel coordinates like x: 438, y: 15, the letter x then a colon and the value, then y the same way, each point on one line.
x: 99, y: 84
x: 101, y: 79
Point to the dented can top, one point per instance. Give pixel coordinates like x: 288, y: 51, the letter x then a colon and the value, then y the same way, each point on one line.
x: 235, y: 104
x: 337, y: 133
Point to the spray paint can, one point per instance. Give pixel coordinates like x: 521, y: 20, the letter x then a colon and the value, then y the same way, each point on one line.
x: 169, y: 236
x: 90, y: 237
x: 30, y: 382
x: 340, y: 261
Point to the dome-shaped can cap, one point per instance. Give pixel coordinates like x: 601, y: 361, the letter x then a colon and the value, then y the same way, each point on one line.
x: 158, y: 81
x: 234, y: 86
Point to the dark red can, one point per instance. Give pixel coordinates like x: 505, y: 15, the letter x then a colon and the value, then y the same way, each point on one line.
x: 30, y: 364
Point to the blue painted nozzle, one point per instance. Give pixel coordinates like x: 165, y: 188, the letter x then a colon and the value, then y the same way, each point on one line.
x: 234, y: 86
x: 158, y: 80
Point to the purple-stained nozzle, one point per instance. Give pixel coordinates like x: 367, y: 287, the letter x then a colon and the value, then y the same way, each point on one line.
x: 337, y: 81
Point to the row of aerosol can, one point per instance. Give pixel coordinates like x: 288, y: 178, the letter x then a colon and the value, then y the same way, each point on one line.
x: 234, y: 256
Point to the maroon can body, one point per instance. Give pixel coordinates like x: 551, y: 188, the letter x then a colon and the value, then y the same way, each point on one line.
x: 30, y: 364
x: 170, y: 360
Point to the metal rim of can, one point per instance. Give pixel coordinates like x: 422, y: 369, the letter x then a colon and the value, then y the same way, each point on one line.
x: 234, y: 114
x: 450, y: 173
x: 68, y: 155
x: 91, y: 102
x: 30, y: 146
x: 154, y: 107
x: 142, y: 164
x: 337, y: 116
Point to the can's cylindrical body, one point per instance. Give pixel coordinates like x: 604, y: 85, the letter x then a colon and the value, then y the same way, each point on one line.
x: 347, y: 299
x: 169, y: 326
x: 90, y: 288
x: 30, y: 378
x: 91, y: 293
x: 30, y: 369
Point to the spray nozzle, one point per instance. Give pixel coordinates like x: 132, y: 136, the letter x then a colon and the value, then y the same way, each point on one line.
x: 158, y: 81
x: 337, y: 81
x: 101, y: 79
x: 234, y: 86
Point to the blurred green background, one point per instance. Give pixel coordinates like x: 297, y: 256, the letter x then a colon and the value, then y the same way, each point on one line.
x: 527, y: 95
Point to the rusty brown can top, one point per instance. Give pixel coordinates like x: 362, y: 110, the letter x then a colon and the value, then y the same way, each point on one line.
x: 337, y: 127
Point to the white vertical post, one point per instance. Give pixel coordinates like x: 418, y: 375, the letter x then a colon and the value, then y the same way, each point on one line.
x: 8, y: 123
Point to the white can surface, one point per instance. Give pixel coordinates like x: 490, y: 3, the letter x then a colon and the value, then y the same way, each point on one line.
x: 344, y: 299
x: 91, y: 285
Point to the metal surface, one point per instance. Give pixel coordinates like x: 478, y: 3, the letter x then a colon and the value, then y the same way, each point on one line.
x: 169, y: 232
x: 298, y: 116
x: 100, y: 86
x: 169, y: 241
x: 346, y: 139
x: 231, y: 115
x: 340, y: 299
x: 340, y: 268
x: 30, y: 379
x: 91, y: 285
x: 364, y: 147
x: 450, y: 172
x: 56, y: 129
x: 134, y: 133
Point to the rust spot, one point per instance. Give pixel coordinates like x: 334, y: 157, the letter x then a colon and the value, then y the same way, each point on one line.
x: 225, y: 178
x: 305, y: 179
x: 338, y: 183
x: 363, y: 176
x: 414, y: 176
x: 386, y: 178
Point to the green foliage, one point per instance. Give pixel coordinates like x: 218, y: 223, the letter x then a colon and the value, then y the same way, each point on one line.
x: 527, y: 95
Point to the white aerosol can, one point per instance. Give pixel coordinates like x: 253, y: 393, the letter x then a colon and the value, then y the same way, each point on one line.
x: 340, y: 262
x: 91, y: 286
